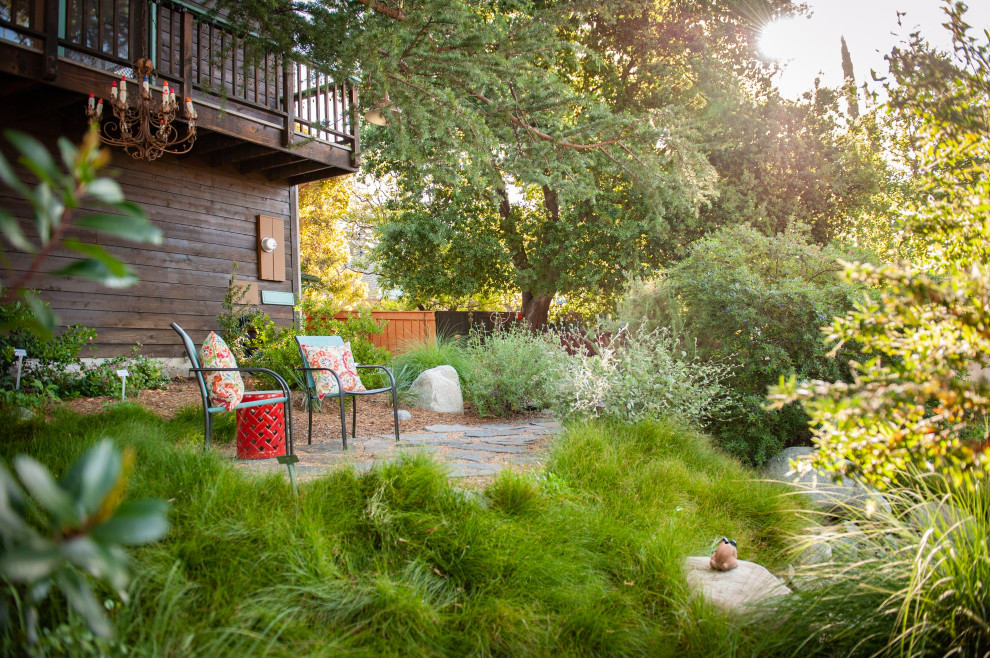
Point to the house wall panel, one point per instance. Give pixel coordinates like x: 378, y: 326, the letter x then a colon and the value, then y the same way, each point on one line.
x: 208, y: 217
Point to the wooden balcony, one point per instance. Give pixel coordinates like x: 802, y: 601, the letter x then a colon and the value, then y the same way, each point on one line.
x: 257, y: 111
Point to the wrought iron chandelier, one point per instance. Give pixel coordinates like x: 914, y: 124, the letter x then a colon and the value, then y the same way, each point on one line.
x: 144, y: 129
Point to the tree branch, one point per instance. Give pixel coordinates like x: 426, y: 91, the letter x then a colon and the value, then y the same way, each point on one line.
x: 385, y: 10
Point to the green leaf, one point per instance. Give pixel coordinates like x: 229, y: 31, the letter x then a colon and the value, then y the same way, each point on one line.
x: 94, y: 475
x: 129, y: 228
x: 45, y: 318
x: 8, y: 176
x: 12, y: 231
x: 27, y: 564
x: 81, y: 599
x: 98, y: 271
x: 109, y: 563
x: 106, y: 190
x: 35, y: 156
x: 69, y: 153
x: 43, y: 488
x: 135, y: 523
x: 101, y: 266
x: 11, y: 506
x: 48, y: 210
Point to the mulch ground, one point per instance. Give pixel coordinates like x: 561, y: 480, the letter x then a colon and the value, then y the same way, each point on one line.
x: 374, y: 419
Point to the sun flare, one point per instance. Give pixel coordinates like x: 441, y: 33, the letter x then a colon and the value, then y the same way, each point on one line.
x: 782, y: 40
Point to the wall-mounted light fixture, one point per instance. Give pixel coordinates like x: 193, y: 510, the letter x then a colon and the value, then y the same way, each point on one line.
x: 268, y: 245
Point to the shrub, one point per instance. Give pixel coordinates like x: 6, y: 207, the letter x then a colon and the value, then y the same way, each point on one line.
x: 638, y: 376
x: 433, y: 352
x: 274, y: 347
x: 513, y: 370
x: 49, y: 357
x: 101, y: 378
x: 758, y: 303
x: 356, y: 329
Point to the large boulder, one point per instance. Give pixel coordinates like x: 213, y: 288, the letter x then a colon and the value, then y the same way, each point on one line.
x: 845, y: 498
x: 738, y: 590
x: 438, y: 389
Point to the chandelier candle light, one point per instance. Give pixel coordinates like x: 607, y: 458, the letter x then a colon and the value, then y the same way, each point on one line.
x: 145, y: 129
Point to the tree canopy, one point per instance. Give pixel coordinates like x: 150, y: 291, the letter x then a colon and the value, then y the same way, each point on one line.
x: 552, y: 147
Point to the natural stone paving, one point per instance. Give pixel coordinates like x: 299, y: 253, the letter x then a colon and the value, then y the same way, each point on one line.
x: 468, y: 451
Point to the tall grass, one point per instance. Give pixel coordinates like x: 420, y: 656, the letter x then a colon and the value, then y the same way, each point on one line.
x: 584, y: 559
x: 430, y: 353
x: 913, y: 582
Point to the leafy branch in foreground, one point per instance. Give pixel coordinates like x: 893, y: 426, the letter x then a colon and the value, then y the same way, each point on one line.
x: 53, y: 201
x: 60, y: 533
x: 914, y: 406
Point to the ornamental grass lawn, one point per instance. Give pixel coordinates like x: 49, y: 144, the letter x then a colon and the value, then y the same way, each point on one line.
x: 581, y: 559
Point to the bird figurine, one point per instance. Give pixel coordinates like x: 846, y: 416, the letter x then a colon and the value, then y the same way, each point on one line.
x: 725, y: 556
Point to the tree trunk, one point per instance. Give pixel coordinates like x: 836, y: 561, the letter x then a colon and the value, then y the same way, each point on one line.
x: 535, y: 310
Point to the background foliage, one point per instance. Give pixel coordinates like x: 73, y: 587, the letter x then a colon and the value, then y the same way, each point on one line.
x: 757, y: 304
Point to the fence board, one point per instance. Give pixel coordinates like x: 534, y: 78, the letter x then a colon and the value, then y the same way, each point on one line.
x: 403, y: 329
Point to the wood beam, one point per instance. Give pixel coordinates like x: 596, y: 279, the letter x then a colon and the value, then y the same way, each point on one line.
x: 277, y: 159
x: 319, y: 174
x: 295, y: 169
x: 237, y: 154
x: 212, y: 142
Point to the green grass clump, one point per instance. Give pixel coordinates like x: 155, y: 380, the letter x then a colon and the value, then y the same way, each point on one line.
x: 433, y: 352
x: 908, y: 582
x: 584, y: 559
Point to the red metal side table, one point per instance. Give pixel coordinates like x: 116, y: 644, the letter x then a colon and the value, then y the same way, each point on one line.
x: 261, y: 429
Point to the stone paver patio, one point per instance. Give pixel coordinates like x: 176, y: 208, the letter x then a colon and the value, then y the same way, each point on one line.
x: 467, y: 451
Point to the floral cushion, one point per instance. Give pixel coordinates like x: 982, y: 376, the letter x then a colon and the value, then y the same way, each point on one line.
x: 340, y: 360
x: 226, y: 389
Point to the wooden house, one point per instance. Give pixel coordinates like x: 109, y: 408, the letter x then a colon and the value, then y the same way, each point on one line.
x: 264, y: 125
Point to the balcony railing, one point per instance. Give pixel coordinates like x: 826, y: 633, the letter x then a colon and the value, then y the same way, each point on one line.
x: 213, y: 63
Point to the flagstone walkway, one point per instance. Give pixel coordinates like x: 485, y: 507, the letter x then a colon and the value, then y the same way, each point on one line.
x: 467, y: 451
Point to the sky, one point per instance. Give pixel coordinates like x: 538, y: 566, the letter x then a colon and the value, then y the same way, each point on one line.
x: 810, y: 47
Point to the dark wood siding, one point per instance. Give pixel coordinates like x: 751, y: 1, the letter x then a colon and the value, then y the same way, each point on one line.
x: 208, y: 216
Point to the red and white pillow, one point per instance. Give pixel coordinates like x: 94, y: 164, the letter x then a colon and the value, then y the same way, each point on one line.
x: 226, y: 389
x: 340, y: 360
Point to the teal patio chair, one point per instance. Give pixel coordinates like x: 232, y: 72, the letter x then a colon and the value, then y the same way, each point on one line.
x: 208, y: 411
x: 341, y: 394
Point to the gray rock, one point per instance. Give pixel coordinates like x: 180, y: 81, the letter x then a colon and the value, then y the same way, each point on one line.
x: 846, y: 498
x: 949, y: 521
x: 738, y: 590
x: 464, y: 470
x: 404, y: 415
x: 486, y: 433
x: 419, y: 439
x: 438, y: 389
x: 469, y: 455
x: 485, y: 446
x: 448, y: 428
x: 378, y: 445
x: 23, y: 413
x: 427, y: 449
x: 509, y: 440
x: 532, y: 458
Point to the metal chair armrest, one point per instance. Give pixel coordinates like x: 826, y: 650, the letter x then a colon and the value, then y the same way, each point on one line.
x: 278, y: 378
x: 388, y: 372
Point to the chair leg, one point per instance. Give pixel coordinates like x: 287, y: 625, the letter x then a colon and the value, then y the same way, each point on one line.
x: 395, y: 413
x: 343, y: 418
x: 207, y: 430
x: 353, y: 415
x: 309, y: 439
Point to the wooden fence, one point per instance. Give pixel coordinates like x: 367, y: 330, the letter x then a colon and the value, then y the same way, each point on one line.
x: 403, y: 329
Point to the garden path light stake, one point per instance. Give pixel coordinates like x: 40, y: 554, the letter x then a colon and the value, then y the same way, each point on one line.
x: 20, y: 354
x: 122, y: 373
